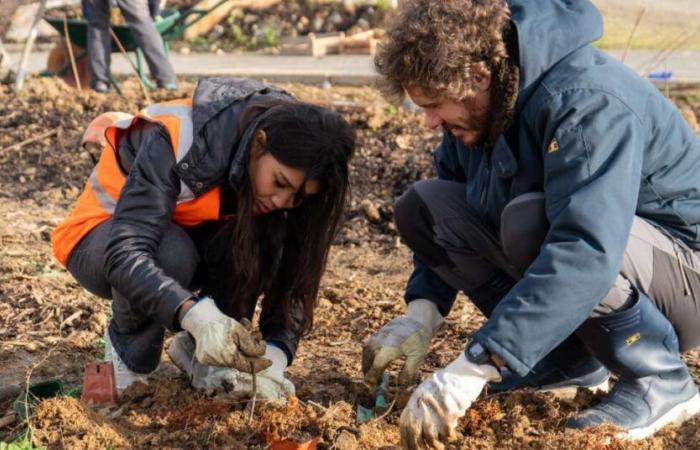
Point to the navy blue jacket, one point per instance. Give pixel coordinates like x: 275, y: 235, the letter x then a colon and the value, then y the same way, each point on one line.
x: 603, y: 145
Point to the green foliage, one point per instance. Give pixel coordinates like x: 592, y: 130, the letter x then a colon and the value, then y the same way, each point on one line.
x: 19, y: 444
x: 383, y: 5
x: 238, y: 38
x: 269, y: 37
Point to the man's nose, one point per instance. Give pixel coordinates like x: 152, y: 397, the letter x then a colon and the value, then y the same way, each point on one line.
x: 432, y: 120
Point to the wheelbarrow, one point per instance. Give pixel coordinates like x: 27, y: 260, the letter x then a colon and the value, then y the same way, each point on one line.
x: 171, y: 25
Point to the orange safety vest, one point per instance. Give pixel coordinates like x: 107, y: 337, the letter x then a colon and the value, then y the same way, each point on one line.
x: 98, y: 200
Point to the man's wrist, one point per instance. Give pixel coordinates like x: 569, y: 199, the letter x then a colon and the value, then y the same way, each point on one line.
x: 478, y: 354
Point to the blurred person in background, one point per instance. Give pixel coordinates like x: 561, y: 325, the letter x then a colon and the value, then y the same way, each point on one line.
x: 139, y: 15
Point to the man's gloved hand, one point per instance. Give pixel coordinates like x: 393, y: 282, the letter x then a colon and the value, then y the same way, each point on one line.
x: 408, y: 336
x: 271, y: 385
x: 437, y: 404
x: 221, y: 340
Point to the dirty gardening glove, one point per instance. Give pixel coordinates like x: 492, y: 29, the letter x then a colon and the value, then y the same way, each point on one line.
x: 408, y: 336
x: 436, y: 405
x: 271, y: 385
x: 221, y: 340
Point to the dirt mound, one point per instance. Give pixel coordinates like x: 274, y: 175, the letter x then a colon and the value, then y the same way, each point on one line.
x: 67, y: 423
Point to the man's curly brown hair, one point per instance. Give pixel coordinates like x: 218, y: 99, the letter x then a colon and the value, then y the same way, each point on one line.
x: 444, y: 46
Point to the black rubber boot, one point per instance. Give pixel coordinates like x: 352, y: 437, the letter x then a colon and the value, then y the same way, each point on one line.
x: 563, y: 371
x: 654, y: 388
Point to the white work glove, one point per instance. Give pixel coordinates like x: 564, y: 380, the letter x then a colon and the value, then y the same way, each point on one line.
x: 221, y: 340
x: 181, y: 353
x: 437, y: 403
x: 271, y: 385
x: 408, y: 336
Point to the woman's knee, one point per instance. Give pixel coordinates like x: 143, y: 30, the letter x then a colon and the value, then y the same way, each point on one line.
x: 177, y: 255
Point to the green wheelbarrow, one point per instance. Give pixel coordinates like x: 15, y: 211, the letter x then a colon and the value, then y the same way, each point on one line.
x: 171, y: 25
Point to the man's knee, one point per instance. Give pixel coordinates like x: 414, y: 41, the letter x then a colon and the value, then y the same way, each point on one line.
x: 410, y: 215
x: 415, y: 225
x: 177, y: 255
x: 523, y: 229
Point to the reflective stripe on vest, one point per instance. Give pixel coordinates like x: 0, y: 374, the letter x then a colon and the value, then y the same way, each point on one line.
x: 98, y: 200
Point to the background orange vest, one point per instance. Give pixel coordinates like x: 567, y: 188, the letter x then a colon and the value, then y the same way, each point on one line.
x: 99, y: 198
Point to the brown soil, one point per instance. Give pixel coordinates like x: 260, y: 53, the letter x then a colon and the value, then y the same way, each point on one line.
x: 50, y: 327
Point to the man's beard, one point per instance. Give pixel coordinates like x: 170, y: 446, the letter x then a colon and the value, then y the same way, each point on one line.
x: 476, y: 123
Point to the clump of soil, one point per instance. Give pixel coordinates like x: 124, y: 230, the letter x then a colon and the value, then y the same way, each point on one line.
x: 65, y: 422
x: 289, y: 422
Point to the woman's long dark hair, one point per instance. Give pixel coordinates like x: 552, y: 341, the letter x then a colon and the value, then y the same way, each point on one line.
x: 283, y: 254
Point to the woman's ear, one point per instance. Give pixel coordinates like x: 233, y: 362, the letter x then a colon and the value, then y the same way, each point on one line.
x: 259, y: 143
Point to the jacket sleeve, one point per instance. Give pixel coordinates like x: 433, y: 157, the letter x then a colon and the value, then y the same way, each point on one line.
x: 144, y: 210
x: 592, y: 146
x: 423, y: 282
x: 274, y: 330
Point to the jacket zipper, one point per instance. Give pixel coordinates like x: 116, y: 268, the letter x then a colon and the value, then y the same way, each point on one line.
x: 486, y: 177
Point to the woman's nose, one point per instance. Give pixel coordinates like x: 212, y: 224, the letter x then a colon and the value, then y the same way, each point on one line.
x: 283, y: 200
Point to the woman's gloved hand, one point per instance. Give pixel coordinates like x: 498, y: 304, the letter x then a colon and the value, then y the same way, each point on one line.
x: 223, y: 341
x: 271, y: 385
x: 408, y: 336
x: 436, y: 405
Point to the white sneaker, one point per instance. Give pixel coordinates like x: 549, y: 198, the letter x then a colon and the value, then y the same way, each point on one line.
x: 181, y: 352
x: 123, y: 376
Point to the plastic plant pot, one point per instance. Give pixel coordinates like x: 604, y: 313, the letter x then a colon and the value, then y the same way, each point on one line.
x: 288, y: 444
x: 99, y: 386
x: 27, y: 400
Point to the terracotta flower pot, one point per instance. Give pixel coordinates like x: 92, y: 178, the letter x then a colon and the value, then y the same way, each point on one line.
x: 288, y: 444
x: 99, y: 386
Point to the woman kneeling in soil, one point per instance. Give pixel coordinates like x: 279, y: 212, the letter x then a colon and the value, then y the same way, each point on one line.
x: 196, y: 208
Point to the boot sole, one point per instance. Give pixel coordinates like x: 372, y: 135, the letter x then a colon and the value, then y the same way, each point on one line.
x: 569, y: 392
x: 676, y: 416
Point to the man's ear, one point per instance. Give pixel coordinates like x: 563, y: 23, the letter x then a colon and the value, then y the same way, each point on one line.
x: 482, y: 83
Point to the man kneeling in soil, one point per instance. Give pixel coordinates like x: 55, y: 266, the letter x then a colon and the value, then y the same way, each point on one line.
x: 567, y: 208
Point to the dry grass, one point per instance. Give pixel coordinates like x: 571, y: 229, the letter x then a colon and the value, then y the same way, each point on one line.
x: 662, y: 24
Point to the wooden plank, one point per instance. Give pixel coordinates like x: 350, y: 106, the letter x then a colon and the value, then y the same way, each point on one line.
x: 218, y: 14
x: 312, y: 44
x: 364, y: 43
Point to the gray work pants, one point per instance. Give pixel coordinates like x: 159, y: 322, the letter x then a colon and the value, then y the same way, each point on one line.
x: 434, y: 220
x: 138, y: 16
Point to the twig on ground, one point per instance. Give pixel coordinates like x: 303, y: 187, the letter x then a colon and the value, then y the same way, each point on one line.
x: 69, y: 46
x: 29, y: 141
x: 8, y: 420
x: 255, y: 389
x: 69, y: 321
x: 26, y: 392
